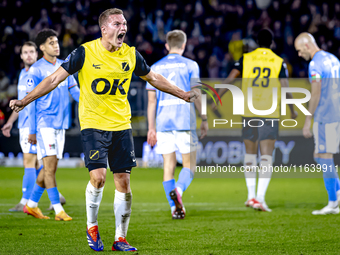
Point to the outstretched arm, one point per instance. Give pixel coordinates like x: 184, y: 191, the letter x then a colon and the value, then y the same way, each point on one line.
x: 43, y: 88
x: 231, y: 77
x: 159, y: 82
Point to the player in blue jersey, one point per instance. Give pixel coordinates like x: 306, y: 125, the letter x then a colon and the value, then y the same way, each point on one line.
x: 47, y: 129
x: 29, y: 56
x: 324, y: 73
x: 175, y: 120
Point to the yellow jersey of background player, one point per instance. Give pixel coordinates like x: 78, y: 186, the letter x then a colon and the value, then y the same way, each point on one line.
x: 260, y: 71
x: 104, y: 79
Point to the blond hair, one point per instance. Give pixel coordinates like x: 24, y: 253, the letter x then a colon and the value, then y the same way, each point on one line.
x: 176, y: 38
x: 105, y: 14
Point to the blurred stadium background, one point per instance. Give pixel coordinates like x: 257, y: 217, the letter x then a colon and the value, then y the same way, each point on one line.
x: 218, y: 31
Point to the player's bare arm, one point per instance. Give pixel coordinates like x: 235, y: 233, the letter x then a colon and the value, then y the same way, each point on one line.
x: 152, y: 104
x: 231, y: 77
x: 313, y: 103
x: 43, y: 88
x: 204, y: 124
x: 161, y: 83
x: 284, y: 83
x: 6, y: 129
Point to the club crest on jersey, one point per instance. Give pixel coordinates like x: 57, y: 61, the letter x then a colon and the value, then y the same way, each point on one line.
x: 94, y: 154
x: 125, y: 66
x: 29, y: 82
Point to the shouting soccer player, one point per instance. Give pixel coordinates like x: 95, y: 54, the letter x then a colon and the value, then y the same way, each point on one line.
x: 260, y: 70
x: 324, y: 105
x: 175, y: 121
x: 48, y: 126
x: 105, y: 68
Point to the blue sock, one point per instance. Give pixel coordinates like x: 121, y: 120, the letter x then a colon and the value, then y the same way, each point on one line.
x: 53, y: 195
x: 28, y: 182
x: 38, y: 170
x: 37, y: 193
x: 184, y: 179
x: 330, y: 177
x: 337, y: 184
x: 169, y: 186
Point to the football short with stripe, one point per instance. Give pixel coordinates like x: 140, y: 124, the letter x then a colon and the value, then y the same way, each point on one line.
x: 50, y: 142
x: 114, y: 147
x: 26, y: 147
x: 326, y: 137
x: 184, y: 141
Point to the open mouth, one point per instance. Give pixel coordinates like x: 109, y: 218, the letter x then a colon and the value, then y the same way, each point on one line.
x: 121, y: 37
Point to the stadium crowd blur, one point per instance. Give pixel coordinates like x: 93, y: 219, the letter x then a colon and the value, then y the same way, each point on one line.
x: 219, y: 31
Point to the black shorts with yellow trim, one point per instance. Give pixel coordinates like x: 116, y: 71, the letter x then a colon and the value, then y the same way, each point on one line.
x: 258, y: 129
x: 114, y: 147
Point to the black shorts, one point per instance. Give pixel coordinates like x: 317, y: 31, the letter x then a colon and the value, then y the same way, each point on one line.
x: 115, y: 147
x: 259, y: 132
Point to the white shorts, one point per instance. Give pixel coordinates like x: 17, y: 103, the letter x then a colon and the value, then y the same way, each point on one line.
x: 326, y: 137
x: 26, y: 147
x: 170, y: 141
x: 50, y: 142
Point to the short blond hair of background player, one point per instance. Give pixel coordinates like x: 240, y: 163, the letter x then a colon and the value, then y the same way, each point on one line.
x: 176, y: 38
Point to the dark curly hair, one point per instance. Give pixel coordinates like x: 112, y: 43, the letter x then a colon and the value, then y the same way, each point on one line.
x: 265, y: 38
x: 44, y: 34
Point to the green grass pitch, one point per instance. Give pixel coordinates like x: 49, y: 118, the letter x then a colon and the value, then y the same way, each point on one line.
x: 216, y: 223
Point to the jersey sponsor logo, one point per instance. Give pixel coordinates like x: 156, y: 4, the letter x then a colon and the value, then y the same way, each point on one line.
x: 29, y: 82
x: 94, y: 154
x: 125, y: 66
x: 97, y: 66
x: 117, y: 83
x: 170, y: 66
